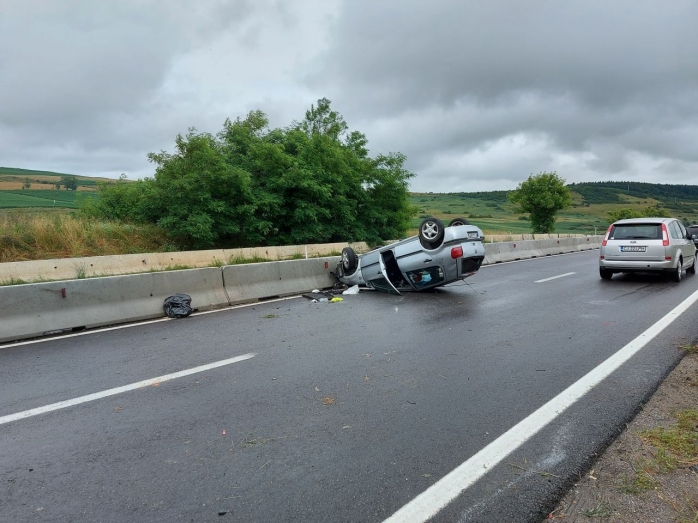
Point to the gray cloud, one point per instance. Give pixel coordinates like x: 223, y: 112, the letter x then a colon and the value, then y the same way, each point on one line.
x: 606, y: 82
x: 478, y: 94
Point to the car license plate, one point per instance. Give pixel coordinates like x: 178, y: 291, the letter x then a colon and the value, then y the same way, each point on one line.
x: 473, y: 234
x: 632, y: 248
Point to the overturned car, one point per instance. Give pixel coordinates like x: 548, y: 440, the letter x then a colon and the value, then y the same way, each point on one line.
x: 437, y: 256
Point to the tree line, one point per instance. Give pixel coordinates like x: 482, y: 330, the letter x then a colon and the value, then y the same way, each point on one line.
x: 249, y: 185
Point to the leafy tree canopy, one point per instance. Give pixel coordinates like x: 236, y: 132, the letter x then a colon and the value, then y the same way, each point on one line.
x: 542, y: 195
x: 69, y: 182
x: 249, y: 185
x: 626, y: 213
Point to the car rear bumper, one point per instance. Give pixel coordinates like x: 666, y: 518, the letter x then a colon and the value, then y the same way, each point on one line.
x: 638, y: 266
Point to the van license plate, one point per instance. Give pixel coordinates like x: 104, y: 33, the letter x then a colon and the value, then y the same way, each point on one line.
x: 632, y: 248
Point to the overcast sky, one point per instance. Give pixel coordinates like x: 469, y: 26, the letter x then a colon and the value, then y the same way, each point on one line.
x: 477, y: 94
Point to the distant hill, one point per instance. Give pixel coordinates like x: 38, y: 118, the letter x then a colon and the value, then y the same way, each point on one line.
x: 591, y: 203
x: 15, y: 174
x: 613, y: 192
x: 30, y: 172
x: 41, y: 192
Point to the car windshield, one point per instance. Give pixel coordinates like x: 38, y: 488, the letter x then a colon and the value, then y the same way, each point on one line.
x: 636, y: 231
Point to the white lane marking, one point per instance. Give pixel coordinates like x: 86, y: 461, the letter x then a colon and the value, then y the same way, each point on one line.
x: 138, y: 324
x: 118, y: 390
x: 556, y: 277
x: 431, y: 501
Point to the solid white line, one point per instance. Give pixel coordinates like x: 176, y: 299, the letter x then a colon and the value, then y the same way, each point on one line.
x: 118, y: 390
x: 139, y: 323
x: 441, y: 493
x: 556, y: 277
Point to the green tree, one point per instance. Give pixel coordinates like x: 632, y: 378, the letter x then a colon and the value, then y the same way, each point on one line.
x: 627, y: 213
x: 69, y: 182
x: 27, y: 183
x: 542, y: 196
x: 249, y: 185
x: 623, y: 214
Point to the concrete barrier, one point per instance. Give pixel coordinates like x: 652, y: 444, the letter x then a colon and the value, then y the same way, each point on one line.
x: 521, y: 250
x: 35, y: 309
x: 73, y: 268
x: 245, y: 283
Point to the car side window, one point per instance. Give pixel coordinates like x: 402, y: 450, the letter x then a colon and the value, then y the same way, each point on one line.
x: 682, y: 229
x: 674, y: 229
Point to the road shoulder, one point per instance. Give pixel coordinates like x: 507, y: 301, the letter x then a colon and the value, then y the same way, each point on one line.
x: 638, y: 478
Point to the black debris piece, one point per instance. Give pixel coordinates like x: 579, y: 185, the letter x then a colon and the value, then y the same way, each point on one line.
x: 319, y: 295
x: 178, y: 306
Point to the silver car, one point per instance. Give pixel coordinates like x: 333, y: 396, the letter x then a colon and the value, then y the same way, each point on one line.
x: 646, y: 245
x: 437, y: 256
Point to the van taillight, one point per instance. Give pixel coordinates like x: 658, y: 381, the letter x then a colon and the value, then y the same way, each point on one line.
x: 605, y: 238
x: 457, y: 252
x: 665, y: 236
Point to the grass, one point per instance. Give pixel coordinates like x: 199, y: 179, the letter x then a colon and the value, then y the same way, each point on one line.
x: 691, y: 349
x: 603, y: 510
x: 50, y: 198
x: 671, y: 448
x: 641, y: 481
x: 40, y: 236
x: 12, y: 281
x: 678, y: 445
x: 241, y: 260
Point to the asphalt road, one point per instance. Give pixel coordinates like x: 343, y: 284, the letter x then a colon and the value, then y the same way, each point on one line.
x: 342, y: 412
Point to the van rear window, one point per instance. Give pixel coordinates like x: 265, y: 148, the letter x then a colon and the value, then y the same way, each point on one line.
x: 636, y: 231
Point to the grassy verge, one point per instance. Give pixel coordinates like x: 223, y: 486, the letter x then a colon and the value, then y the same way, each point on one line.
x: 39, y: 236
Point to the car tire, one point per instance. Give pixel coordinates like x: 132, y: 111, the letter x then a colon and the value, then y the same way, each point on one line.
x: 455, y: 222
x: 678, y: 273
x: 349, y: 261
x: 605, y: 274
x: 431, y: 233
x: 692, y: 268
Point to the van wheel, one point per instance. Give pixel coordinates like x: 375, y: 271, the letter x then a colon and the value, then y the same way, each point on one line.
x: 692, y: 268
x: 605, y: 274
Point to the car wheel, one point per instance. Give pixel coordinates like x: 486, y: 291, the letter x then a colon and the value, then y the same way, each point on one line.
x: 349, y: 261
x: 431, y: 233
x: 605, y: 274
x: 678, y: 273
x: 692, y: 268
x: 455, y: 222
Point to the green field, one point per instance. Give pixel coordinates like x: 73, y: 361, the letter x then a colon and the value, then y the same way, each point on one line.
x: 42, y: 198
x: 492, y: 212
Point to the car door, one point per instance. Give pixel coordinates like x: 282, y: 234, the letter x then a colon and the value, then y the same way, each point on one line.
x: 687, y: 247
x: 373, y: 271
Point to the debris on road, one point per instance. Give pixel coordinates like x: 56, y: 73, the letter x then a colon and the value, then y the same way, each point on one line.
x: 352, y: 290
x: 323, y: 296
x: 178, y: 306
